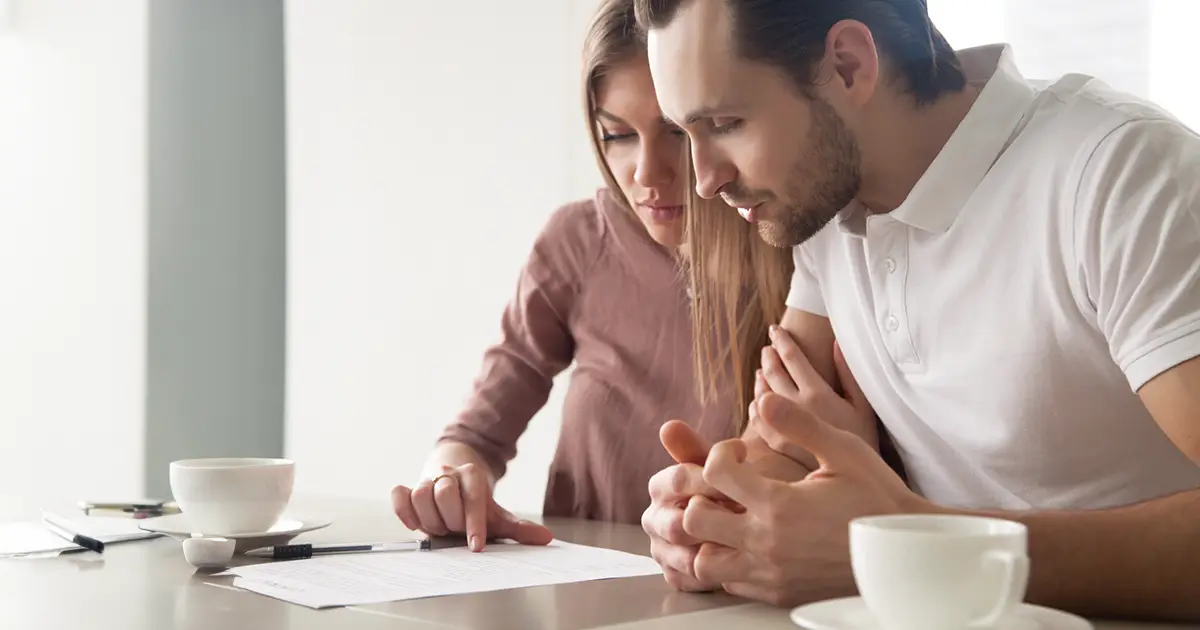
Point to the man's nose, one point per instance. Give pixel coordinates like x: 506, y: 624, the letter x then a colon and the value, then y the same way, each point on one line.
x: 711, y: 172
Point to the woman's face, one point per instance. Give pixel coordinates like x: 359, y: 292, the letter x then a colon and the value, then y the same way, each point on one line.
x: 644, y: 152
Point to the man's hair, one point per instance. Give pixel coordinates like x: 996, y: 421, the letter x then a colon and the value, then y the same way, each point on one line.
x: 790, y: 35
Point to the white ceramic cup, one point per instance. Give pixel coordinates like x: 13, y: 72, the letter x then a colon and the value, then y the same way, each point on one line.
x: 232, y: 495
x: 939, y: 572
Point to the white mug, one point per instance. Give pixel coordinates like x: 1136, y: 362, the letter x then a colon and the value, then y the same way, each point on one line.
x: 939, y: 572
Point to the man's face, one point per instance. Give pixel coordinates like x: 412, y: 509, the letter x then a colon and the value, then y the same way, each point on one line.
x: 787, y: 161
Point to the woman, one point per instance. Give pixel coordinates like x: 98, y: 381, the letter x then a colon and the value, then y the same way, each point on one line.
x: 602, y: 288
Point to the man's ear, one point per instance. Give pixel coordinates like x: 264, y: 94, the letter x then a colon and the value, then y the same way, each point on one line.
x: 851, y: 66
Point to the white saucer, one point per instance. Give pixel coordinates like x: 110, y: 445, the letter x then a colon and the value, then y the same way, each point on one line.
x: 176, y: 526
x: 850, y: 613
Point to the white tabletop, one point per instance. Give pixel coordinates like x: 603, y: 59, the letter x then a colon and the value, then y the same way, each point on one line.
x: 147, y: 585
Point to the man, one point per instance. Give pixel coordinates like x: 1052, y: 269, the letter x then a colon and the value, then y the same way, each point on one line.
x: 1012, y: 272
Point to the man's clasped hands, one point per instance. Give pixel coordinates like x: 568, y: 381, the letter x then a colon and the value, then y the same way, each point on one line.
x: 766, y: 515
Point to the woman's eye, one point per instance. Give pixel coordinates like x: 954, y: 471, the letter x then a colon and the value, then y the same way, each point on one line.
x: 607, y: 137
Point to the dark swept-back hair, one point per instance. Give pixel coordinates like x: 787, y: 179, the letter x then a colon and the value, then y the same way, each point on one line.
x: 790, y: 35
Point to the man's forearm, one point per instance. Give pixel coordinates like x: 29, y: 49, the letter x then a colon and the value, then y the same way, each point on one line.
x: 1140, y: 561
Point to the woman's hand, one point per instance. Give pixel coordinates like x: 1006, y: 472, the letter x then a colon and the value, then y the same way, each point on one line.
x: 459, y: 501
x: 787, y: 372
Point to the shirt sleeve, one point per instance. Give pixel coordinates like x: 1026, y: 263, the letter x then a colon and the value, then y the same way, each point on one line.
x: 805, y: 292
x: 535, y: 341
x: 1137, y: 226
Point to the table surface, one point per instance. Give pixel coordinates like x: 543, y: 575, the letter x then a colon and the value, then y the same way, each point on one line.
x: 147, y: 585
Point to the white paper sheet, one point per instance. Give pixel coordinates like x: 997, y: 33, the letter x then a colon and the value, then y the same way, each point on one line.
x: 110, y: 529
x: 372, y: 578
x: 34, y: 538
x: 30, y: 538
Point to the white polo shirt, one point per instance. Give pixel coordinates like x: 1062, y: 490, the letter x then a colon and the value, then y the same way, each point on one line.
x: 1042, y: 270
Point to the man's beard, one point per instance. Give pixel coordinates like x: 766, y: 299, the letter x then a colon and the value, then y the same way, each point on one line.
x: 832, y: 173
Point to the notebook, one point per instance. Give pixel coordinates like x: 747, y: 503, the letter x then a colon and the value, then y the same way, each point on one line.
x: 29, y: 538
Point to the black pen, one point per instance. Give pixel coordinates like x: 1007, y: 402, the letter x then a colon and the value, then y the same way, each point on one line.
x: 295, y: 552
x: 64, y: 531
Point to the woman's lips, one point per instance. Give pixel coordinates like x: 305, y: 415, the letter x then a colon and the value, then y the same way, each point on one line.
x: 665, y: 213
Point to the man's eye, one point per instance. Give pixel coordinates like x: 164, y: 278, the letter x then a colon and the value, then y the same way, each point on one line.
x: 725, y: 125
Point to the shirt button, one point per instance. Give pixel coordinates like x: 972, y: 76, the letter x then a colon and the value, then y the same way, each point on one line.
x: 892, y: 323
x: 889, y: 264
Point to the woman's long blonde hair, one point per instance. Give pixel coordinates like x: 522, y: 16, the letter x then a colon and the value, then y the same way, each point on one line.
x: 739, y: 288
x: 738, y: 282
x: 612, y: 39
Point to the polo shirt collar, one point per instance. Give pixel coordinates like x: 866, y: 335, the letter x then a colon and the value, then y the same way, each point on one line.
x: 972, y: 149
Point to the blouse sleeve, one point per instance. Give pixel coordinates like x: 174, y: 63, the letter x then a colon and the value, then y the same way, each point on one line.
x: 535, y: 341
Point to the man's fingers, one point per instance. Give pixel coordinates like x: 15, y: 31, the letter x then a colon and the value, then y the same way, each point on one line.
x: 776, y: 374
x: 785, y: 424
x: 728, y: 473
x: 666, y: 523
x: 683, y: 443
x: 676, y: 562
x: 677, y: 557
x: 476, y: 494
x: 676, y: 579
x: 683, y: 582
x: 766, y: 593
x: 717, y: 564
x: 426, y: 508
x: 849, y: 385
x: 705, y: 520
x: 677, y: 483
x: 402, y: 505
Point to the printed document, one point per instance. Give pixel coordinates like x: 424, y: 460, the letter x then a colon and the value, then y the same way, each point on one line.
x: 372, y: 578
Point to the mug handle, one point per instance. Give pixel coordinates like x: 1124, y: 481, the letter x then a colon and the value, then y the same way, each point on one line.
x: 1016, y: 575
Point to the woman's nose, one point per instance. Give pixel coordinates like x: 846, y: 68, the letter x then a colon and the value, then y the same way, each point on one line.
x: 657, y: 165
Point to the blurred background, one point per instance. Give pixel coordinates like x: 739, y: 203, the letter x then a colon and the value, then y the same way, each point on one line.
x: 265, y: 227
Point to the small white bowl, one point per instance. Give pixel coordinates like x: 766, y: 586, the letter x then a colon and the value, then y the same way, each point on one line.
x: 208, y: 553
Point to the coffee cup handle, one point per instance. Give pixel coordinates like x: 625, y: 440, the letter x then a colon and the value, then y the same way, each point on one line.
x: 1016, y: 575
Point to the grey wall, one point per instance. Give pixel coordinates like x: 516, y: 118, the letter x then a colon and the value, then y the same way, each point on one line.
x: 217, y: 230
